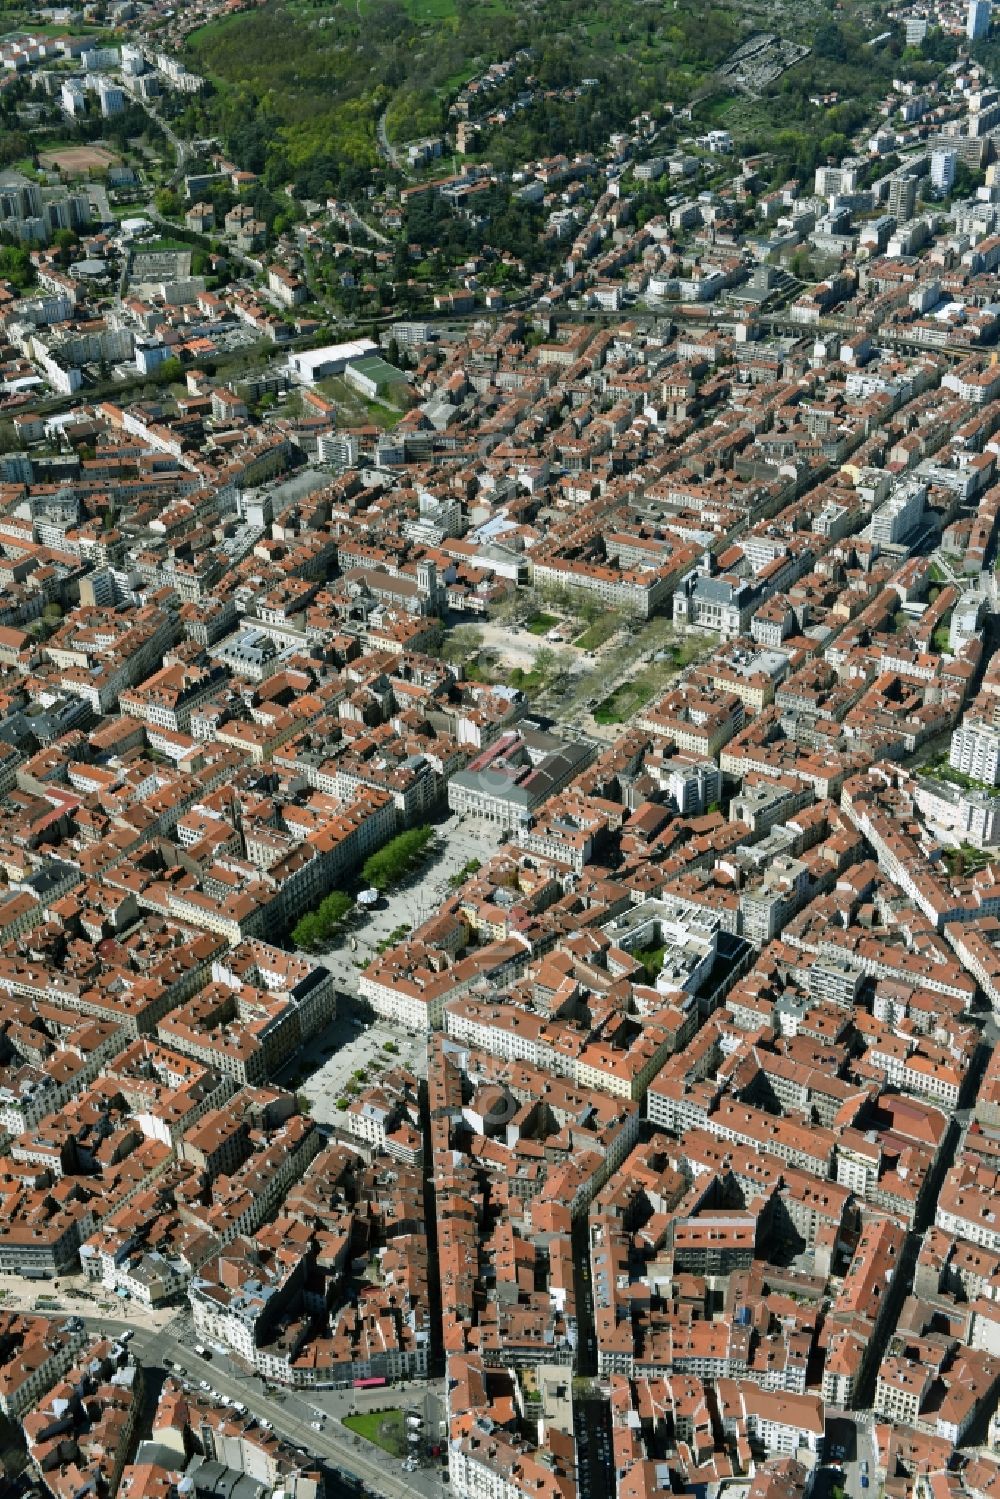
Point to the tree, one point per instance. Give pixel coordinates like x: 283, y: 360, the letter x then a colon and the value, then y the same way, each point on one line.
x: 462, y: 645
x: 167, y: 203
x: 65, y: 241
x: 800, y: 264
x: 829, y: 42
x: 545, y: 664
x: 169, y: 372
x: 393, y: 862
x: 16, y: 266
x: 305, y: 932
x: 315, y: 928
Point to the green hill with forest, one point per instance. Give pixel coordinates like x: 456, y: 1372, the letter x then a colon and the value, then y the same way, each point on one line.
x: 299, y: 84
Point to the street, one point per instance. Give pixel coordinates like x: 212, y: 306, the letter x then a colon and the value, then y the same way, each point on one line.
x: 290, y: 1414
x: 848, y: 1446
x: 352, y: 1043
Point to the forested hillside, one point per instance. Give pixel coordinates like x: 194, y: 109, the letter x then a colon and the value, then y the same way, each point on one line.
x: 300, y: 83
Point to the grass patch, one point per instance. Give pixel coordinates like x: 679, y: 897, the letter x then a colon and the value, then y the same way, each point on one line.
x: 385, y: 1429
x: 431, y: 10
x: 479, y: 671
x: 651, y: 959
x: 528, y: 681
x: 627, y: 699
x: 967, y: 860
x: 944, y: 772
x: 939, y: 769
x: 691, y: 648
x: 23, y: 23
x: 538, y: 624
x: 352, y: 408
x: 600, y: 631
x: 715, y: 109
x: 385, y: 417
x: 396, y: 935
x: 163, y: 246
x: 458, y: 879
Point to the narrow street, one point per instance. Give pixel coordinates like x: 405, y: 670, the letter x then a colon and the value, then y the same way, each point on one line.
x: 387, y: 151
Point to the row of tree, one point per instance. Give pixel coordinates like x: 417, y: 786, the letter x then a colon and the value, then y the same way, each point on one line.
x: 381, y: 871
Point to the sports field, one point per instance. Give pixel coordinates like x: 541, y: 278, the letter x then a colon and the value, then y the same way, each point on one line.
x: 77, y: 161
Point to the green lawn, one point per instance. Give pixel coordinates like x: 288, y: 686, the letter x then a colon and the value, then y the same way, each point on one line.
x: 597, y: 633
x: 431, y: 10
x: 526, y: 681
x: 19, y: 24
x: 941, y: 771
x: 715, y: 109
x: 162, y: 246
x: 620, y: 705
x: 385, y: 417
x: 353, y: 410
x: 385, y: 1429
x: 539, y: 624
x: 651, y: 959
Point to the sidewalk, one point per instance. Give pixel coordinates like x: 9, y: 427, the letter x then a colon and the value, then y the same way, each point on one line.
x: 79, y: 1297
